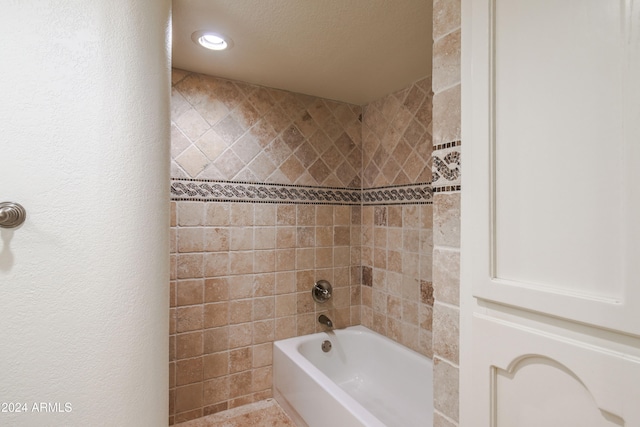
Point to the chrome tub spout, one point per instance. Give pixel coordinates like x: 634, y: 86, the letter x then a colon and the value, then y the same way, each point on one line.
x: 325, y: 321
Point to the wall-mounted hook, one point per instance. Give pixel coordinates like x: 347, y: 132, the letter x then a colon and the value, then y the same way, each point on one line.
x: 11, y: 215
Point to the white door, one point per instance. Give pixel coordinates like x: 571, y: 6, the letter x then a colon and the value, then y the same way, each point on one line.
x: 551, y: 213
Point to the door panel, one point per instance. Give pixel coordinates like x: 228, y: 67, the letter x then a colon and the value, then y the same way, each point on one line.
x: 559, y: 144
x: 533, y: 377
x: 563, y: 231
x: 550, y: 213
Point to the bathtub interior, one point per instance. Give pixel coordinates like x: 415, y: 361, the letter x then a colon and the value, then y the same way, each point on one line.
x: 390, y: 381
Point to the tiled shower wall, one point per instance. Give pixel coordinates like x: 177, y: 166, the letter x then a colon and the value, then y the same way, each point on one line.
x: 446, y: 209
x: 242, y: 272
x: 228, y: 130
x: 397, y: 293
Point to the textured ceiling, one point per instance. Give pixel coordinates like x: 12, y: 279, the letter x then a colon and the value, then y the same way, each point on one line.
x: 354, y: 51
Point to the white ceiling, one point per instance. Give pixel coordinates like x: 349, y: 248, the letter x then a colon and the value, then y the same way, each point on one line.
x: 354, y: 51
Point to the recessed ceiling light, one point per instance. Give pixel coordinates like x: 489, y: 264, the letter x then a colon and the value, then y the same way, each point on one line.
x: 211, y: 40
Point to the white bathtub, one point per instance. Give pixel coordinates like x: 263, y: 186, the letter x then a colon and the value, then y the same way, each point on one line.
x: 364, y: 380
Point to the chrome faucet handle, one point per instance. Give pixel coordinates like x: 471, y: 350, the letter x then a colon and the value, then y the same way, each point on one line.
x: 321, y: 291
x: 325, y: 293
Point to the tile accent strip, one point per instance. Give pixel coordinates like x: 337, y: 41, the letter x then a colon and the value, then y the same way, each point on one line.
x: 445, y: 171
x: 398, y: 195
x: 230, y: 191
x: 447, y: 145
x: 447, y: 189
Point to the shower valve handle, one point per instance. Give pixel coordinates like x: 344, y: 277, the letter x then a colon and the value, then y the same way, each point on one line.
x: 321, y: 291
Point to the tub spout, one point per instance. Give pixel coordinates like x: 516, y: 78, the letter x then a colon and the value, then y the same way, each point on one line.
x: 325, y: 321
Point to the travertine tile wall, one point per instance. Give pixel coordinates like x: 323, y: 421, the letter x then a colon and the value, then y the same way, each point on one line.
x: 397, y: 294
x: 228, y: 130
x: 396, y: 137
x: 242, y: 279
x: 446, y: 209
x: 242, y: 272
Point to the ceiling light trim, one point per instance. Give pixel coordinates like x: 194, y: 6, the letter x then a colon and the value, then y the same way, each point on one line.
x: 212, y: 40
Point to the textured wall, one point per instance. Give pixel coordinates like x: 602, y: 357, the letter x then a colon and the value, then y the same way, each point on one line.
x: 85, y: 149
x: 446, y: 209
x: 397, y: 295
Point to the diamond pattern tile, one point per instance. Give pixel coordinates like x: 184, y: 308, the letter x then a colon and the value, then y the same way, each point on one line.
x: 396, y: 137
x: 229, y: 130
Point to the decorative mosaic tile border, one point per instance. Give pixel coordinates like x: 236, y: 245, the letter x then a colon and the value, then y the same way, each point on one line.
x: 446, y: 170
x: 447, y: 189
x: 398, y: 195
x: 447, y: 145
x: 231, y: 191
